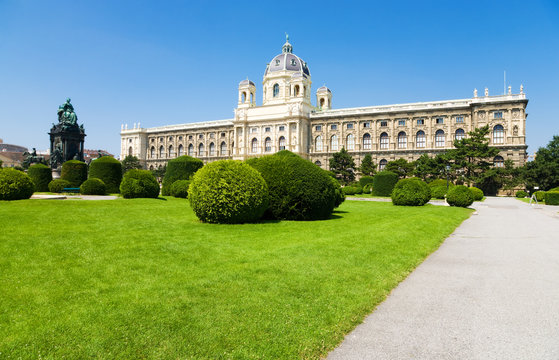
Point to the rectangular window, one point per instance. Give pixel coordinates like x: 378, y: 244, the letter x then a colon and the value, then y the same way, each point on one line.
x: 281, y: 128
x: 420, y: 121
x: 267, y: 129
x: 367, y: 125
x: 384, y: 123
x: 498, y: 115
x: 333, y: 127
x: 350, y: 126
x: 253, y: 130
x: 459, y: 119
x: 318, y: 127
x: 402, y: 122
x: 439, y: 120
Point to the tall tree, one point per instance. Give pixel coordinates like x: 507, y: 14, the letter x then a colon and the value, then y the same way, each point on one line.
x: 401, y: 167
x: 130, y: 162
x: 342, y: 164
x: 367, y: 166
x: 544, y: 170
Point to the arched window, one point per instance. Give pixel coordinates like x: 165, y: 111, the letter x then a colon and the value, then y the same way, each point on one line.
x: 190, y: 150
x: 296, y: 90
x: 321, y: 103
x: 268, y: 144
x: 498, y: 161
x: 161, y: 152
x: 498, y: 134
x: 254, y: 146
x: 282, y: 143
x: 130, y: 151
x: 244, y: 97
x: 334, y: 143
x: 459, y: 134
x: 367, y: 142
x: 350, y: 142
x: 171, y: 151
x: 251, y: 98
x: 384, y: 141
x: 402, y: 140
x: 181, y: 150
x: 318, y: 143
x: 152, y: 152
x: 382, y: 164
x: 223, y: 148
x: 151, y: 167
x: 439, y: 138
x: 200, y: 150
x: 318, y: 163
x: 276, y: 90
x: 420, y: 139
x: 212, y: 149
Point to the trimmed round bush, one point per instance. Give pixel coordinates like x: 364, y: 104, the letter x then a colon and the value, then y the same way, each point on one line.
x: 109, y: 170
x: 540, y: 195
x: 93, y: 186
x: 338, y: 192
x: 477, y: 193
x: 460, y: 196
x: 521, y: 194
x: 41, y: 175
x: 181, y: 168
x: 552, y: 198
x: 364, y: 180
x: 228, y: 192
x: 411, y: 192
x: 348, y: 190
x: 15, y: 185
x: 438, y: 182
x: 139, y: 184
x: 299, y: 190
x: 179, y: 189
x: 75, y: 172
x: 368, y: 189
x: 57, y: 185
x: 383, y: 183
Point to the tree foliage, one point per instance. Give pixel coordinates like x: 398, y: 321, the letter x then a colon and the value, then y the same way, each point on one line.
x: 367, y: 166
x: 544, y: 170
x: 130, y: 162
x: 400, y: 167
x: 342, y: 164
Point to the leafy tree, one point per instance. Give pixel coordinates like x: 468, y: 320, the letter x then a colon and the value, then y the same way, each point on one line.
x: 544, y: 170
x: 472, y: 154
x: 159, y: 173
x: 367, y: 166
x: 401, y: 167
x: 342, y: 164
x: 130, y: 162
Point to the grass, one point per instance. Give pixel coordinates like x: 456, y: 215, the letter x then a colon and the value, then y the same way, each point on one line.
x: 145, y: 279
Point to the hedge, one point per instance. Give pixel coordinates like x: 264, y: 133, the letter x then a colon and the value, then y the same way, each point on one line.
x: 15, y: 185
x: 41, y: 175
x: 460, y: 196
x: 338, y: 192
x: 411, y: 192
x: 109, y: 170
x: 75, y: 172
x: 57, y: 185
x: 364, y: 180
x: 93, y: 186
x: 299, y: 190
x: 179, y: 189
x: 181, y: 168
x: 540, y: 195
x: 521, y: 194
x: 139, y: 184
x: 552, y: 198
x: 477, y: 193
x: 383, y: 183
x: 228, y: 191
x: 439, y: 182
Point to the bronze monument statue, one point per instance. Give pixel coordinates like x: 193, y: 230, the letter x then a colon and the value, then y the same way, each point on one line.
x: 66, y: 137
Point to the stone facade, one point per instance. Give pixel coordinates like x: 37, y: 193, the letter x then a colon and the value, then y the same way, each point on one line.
x: 287, y: 120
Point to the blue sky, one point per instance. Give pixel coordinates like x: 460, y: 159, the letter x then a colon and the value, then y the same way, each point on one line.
x: 171, y: 62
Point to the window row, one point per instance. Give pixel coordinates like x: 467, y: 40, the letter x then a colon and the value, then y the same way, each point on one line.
x: 267, y: 144
x: 498, y: 161
x: 190, y: 150
x: 384, y: 123
x: 190, y: 137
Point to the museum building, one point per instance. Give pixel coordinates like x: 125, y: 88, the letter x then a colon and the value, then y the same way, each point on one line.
x: 288, y: 120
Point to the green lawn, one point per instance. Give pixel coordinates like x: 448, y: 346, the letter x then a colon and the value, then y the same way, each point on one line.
x: 144, y: 279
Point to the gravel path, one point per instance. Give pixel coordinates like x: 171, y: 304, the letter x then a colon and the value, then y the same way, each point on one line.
x: 491, y: 291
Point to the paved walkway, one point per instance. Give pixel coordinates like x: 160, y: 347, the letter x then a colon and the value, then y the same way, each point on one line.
x: 75, y: 197
x: 491, y: 291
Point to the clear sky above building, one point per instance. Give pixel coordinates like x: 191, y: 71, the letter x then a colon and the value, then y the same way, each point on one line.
x: 173, y: 62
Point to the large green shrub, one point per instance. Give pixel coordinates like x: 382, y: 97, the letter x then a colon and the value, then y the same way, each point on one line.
x: 75, y: 172
x: 477, y: 193
x: 521, y: 194
x: 438, y: 182
x: 15, y: 185
x: 554, y: 189
x: 179, y: 189
x: 460, y: 196
x: 383, y: 183
x: 181, y: 168
x: 228, y: 191
x: 93, y: 186
x: 411, y: 192
x: 139, y: 184
x: 364, y: 180
x: 552, y: 198
x: 299, y: 190
x: 338, y: 192
x: 57, y: 185
x: 368, y: 188
x: 41, y: 175
x: 348, y: 190
x: 540, y: 195
x: 109, y: 170
x: 438, y: 192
